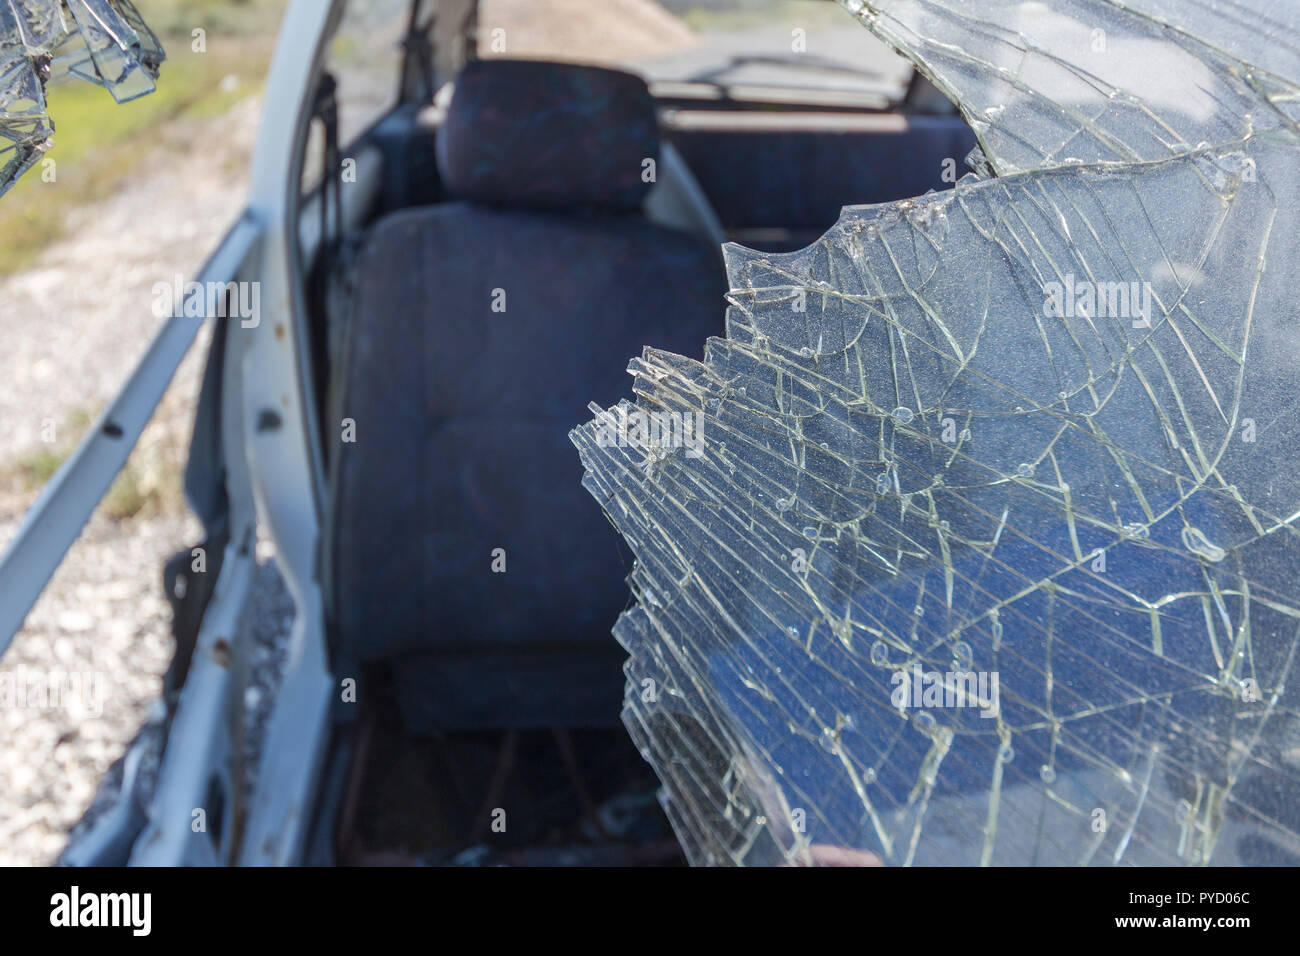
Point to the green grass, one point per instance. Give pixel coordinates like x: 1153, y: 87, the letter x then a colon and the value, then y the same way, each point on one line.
x: 128, y: 496
x: 145, y: 486
x: 233, y: 18
x: 35, y: 467
x: 97, y: 143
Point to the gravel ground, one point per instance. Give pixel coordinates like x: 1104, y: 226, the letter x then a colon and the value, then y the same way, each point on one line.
x: 271, y: 616
x: 74, y: 325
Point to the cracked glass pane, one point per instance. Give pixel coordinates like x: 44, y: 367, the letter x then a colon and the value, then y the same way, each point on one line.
x: 104, y: 41
x: 974, y: 541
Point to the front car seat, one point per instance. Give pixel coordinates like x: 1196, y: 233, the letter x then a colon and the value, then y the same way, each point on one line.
x: 481, y: 329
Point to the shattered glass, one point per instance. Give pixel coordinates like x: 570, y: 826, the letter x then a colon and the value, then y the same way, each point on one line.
x: 104, y: 41
x: 985, y: 549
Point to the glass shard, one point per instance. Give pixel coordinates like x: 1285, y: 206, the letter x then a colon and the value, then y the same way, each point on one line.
x: 984, y: 546
x: 104, y: 41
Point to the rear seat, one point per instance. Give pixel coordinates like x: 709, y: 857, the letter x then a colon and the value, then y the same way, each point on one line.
x: 480, y: 330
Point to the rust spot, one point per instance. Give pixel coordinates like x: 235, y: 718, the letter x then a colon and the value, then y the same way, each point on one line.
x: 279, y: 330
x: 221, y: 652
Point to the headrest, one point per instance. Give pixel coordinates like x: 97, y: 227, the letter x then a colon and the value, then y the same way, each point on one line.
x: 548, y: 135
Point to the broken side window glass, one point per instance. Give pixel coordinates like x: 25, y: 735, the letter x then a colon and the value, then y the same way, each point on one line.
x: 983, y: 548
x: 104, y: 41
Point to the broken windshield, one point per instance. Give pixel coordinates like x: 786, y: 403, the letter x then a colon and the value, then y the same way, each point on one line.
x: 104, y: 41
x: 974, y: 540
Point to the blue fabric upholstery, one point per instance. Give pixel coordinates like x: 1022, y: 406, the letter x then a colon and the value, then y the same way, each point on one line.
x: 462, y: 416
x: 548, y: 136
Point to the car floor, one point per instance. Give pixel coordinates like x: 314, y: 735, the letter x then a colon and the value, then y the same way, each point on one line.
x: 482, y: 798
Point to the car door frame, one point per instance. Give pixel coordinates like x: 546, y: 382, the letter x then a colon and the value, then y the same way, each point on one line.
x: 273, y: 481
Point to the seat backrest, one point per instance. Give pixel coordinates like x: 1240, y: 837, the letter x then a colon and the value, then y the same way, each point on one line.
x: 481, y: 329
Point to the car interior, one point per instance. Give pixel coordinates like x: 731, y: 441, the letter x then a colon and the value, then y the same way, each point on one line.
x: 531, y: 227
